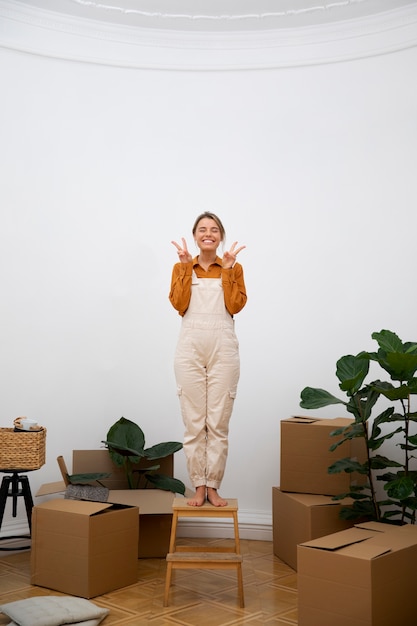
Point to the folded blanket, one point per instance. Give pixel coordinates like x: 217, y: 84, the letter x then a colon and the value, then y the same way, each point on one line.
x: 53, y: 611
x: 87, y: 492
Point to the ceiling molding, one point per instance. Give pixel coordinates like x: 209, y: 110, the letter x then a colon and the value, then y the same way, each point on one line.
x: 56, y: 35
x: 218, y: 14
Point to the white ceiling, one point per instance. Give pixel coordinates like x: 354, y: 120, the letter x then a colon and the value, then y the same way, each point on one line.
x: 218, y: 15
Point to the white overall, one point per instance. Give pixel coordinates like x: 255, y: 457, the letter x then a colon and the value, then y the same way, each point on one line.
x: 207, y: 371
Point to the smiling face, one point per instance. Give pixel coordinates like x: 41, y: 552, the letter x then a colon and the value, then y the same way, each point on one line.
x: 207, y: 234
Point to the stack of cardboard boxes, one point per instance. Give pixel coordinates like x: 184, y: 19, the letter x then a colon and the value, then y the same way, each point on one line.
x: 303, y: 507
x: 348, y: 574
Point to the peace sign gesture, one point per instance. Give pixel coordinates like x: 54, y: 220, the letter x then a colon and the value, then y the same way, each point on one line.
x: 183, y: 255
x: 229, y: 258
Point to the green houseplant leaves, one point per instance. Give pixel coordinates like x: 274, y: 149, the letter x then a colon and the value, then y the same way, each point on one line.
x: 396, y: 422
x: 126, y: 444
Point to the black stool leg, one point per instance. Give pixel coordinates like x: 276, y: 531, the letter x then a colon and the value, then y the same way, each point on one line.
x: 14, y: 486
x: 27, y: 494
x: 4, y: 490
x: 14, y: 492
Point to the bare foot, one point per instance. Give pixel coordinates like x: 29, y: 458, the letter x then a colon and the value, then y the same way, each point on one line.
x: 214, y: 498
x: 199, y: 498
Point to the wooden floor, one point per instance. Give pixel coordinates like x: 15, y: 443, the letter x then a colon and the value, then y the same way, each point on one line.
x: 197, y: 597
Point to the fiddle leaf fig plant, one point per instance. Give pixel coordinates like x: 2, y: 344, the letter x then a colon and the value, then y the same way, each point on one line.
x: 397, y: 422
x: 126, y: 445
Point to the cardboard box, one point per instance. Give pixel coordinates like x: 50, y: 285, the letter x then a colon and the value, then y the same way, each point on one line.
x: 84, y: 548
x: 155, y: 505
x: 363, y: 576
x: 305, y: 456
x: 155, y: 518
x: 299, y: 517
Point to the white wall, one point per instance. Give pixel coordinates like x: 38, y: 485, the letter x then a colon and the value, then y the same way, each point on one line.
x: 313, y: 168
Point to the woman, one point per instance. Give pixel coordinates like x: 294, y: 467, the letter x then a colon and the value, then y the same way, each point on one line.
x: 207, y: 292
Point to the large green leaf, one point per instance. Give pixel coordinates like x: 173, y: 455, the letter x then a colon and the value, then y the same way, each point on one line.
x: 382, y: 418
x: 410, y: 503
x: 389, y: 391
x: 362, y: 509
x: 347, y: 465
x: 360, y: 405
x: 401, y: 488
x: 386, y: 477
x: 124, y: 451
x: 161, y: 450
x: 388, y: 416
x: 352, y: 371
x: 412, y: 386
x: 388, y: 341
x: 84, y: 479
x: 396, y: 358
x: 400, y: 366
x: 356, y: 429
x: 126, y: 435
x: 374, y: 443
x: 167, y: 483
x: 354, y: 495
x: 379, y: 462
x: 312, y: 398
x: 388, y: 517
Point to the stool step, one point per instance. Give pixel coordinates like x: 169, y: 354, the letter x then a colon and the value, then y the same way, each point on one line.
x: 200, y: 549
x: 204, y: 557
x: 180, y: 504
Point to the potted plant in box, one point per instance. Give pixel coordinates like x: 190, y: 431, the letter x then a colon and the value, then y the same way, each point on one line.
x: 396, y: 422
x: 126, y: 445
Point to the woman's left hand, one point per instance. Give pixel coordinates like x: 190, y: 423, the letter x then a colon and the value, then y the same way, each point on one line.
x: 229, y: 258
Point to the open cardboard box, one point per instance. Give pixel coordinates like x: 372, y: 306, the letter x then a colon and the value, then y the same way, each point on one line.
x: 361, y: 576
x: 299, y: 517
x: 155, y: 505
x: 305, y: 456
x: 84, y: 548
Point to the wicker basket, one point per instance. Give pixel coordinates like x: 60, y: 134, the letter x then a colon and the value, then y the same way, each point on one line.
x: 23, y: 450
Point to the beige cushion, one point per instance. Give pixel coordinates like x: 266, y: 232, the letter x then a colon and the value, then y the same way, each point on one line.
x: 53, y: 611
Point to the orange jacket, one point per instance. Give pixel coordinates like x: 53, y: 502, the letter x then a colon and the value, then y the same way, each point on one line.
x: 232, y: 281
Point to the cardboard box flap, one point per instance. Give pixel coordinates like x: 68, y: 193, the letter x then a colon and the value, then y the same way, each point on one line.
x: 81, y: 507
x: 378, y: 527
x: 366, y: 550
x: 302, y: 419
x: 340, y: 540
x: 310, y: 499
x: 337, y: 422
x: 48, y: 489
x: 149, y: 501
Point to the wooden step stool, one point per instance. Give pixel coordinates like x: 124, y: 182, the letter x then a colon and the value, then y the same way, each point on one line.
x: 203, y: 557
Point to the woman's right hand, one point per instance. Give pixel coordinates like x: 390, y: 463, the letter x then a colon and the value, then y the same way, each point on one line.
x: 183, y: 255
